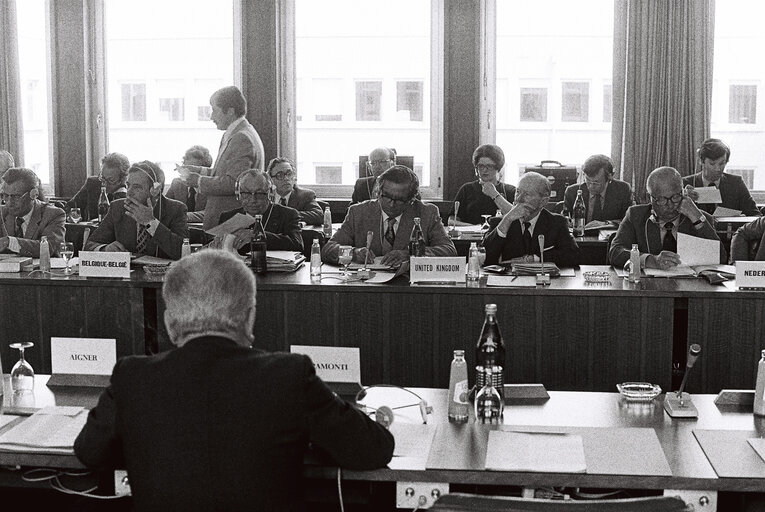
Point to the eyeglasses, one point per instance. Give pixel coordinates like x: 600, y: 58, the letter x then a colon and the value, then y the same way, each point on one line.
x: 485, y: 167
x: 392, y: 200
x: 112, y: 181
x: 593, y: 182
x: 281, y: 175
x: 244, y: 194
x: 661, y: 200
x: 13, y: 197
x: 379, y: 162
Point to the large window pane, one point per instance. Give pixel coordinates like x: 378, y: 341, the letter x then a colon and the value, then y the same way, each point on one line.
x: 33, y: 66
x: 363, y: 80
x: 162, y: 64
x: 554, y: 62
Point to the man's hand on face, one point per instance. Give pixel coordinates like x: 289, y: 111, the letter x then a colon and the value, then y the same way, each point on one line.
x: 689, y: 209
x: 691, y: 192
x: 520, y: 212
x: 140, y: 213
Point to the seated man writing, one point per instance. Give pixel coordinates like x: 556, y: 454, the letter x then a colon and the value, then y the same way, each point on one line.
x: 253, y: 190
x: 516, y: 236
x: 216, y: 424
x: 146, y: 222
x: 390, y: 218
x: 26, y: 219
x: 654, y: 227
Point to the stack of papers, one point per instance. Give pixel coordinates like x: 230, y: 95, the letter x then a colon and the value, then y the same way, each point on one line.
x: 284, y: 261
x: 376, y: 265
x: 532, y: 269
x: 49, y: 430
x: 474, y: 229
x: 151, y: 260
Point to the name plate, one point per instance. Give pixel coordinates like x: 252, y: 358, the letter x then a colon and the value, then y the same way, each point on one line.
x: 446, y: 270
x: 105, y: 264
x: 82, y: 361
x: 333, y: 364
x: 750, y: 275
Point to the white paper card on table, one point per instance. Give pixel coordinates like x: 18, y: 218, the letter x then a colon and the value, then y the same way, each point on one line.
x: 380, y: 277
x: 83, y: 356
x: 708, y: 195
x: 427, y: 269
x: 333, y: 364
x: 722, y: 211
x: 60, y: 263
x: 235, y: 223
x: 44, y: 433
x: 694, y: 250
x: 537, y: 452
x: 105, y: 264
x: 512, y: 281
x: 750, y: 275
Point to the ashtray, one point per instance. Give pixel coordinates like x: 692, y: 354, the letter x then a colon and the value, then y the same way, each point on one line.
x: 156, y: 270
x: 639, y: 391
x: 597, y: 276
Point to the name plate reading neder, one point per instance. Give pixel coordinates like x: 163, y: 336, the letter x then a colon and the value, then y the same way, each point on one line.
x: 105, y: 264
x: 750, y: 275
x: 333, y: 364
x: 447, y: 270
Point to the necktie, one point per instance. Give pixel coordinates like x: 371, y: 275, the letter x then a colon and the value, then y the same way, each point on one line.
x: 597, y: 209
x: 143, y: 237
x: 527, y: 248
x: 19, y: 231
x: 283, y: 201
x: 390, y: 235
x: 191, y: 201
x: 669, y: 243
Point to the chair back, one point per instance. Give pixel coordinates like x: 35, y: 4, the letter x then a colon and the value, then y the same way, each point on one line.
x: 406, y: 160
x: 458, y: 502
x: 309, y: 235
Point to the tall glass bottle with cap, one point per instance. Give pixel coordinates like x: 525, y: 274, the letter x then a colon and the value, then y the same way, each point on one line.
x: 580, y: 213
x: 458, y: 389
x: 417, y: 240
x: 103, y: 204
x: 490, y: 353
x: 258, y: 247
x: 44, y: 254
x: 327, y: 228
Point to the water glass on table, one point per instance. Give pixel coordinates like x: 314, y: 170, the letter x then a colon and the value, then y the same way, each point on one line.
x: 66, y: 250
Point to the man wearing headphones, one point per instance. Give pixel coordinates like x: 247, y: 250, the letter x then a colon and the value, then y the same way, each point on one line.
x: 25, y: 218
x: 114, y: 171
x: 379, y: 160
x: 390, y: 217
x: 654, y: 227
x: 145, y: 222
x: 605, y: 197
x: 713, y: 157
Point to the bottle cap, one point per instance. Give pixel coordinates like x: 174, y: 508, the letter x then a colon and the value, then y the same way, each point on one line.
x: 491, y: 308
x: 461, y: 353
x: 763, y: 353
x: 258, y: 217
x: 473, y: 244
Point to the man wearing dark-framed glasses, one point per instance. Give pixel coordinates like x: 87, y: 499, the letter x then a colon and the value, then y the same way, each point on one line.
x: 26, y: 219
x: 283, y: 174
x: 655, y: 226
x: 113, y: 176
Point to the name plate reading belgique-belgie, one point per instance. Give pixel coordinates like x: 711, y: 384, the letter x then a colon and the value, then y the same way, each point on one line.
x: 82, y: 361
x: 750, y: 275
x: 333, y: 364
x: 434, y: 270
x: 105, y: 264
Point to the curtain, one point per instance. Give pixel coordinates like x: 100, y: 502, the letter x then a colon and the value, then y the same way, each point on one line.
x: 663, y: 53
x: 11, y: 127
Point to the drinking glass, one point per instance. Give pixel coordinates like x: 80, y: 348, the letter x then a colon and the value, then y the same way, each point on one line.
x: 486, y: 226
x: 22, y: 374
x: 345, y: 256
x: 75, y: 215
x: 66, y: 250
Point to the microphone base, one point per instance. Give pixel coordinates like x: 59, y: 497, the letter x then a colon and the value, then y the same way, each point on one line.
x: 543, y: 279
x: 681, y: 407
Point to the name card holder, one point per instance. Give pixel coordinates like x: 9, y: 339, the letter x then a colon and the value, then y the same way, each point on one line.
x: 105, y: 264
x: 82, y: 362
x: 750, y: 275
x: 338, y: 367
x: 435, y: 270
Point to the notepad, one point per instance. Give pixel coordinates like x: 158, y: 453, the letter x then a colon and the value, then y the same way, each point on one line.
x: 47, y: 431
x: 538, y: 452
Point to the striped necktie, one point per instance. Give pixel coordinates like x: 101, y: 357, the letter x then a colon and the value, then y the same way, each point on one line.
x: 143, y: 237
x: 390, y: 235
x: 19, y: 230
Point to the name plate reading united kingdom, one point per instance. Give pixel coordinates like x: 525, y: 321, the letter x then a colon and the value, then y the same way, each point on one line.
x: 82, y: 361
x: 105, y: 264
x: 750, y: 275
x: 432, y: 270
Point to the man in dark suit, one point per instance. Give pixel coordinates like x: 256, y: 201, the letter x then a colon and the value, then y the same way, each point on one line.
x: 379, y: 160
x: 25, y: 219
x: 253, y: 189
x: 114, y: 171
x: 190, y: 196
x: 215, y: 424
x: 516, y: 236
x: 654, y: 227
x: 390, y: 218
x: 713, y: 157
x: 284, y: 177
x: 610, y: 197
x: 146, y: 222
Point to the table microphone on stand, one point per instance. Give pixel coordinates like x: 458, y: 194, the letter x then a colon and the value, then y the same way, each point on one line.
x: 678, y: 404
x: 543, y: 278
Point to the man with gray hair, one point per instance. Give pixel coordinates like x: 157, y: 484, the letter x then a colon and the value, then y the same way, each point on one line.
x: 216, y: 424
x: 6, y: 161
x: 516, y: 237
x: 654, y: 226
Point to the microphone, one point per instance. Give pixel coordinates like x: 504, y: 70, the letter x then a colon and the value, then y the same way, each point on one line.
x: 542, y: 278
x: 693, y: 354
x: 679, y: 404
x: 363, y: 273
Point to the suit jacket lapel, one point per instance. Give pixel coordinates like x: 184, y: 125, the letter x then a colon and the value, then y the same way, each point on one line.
x: 34, y: 221
x: 9, y: 226
x: 653, y: 234
x: 404, y: 229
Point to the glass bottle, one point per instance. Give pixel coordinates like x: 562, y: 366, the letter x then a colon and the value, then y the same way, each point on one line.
x: 315, y: 258
x: 258, y: 247
x: 489, y: 405
x: 633, y: 264
x: 103, y: 204
x: 474, y: 266
x: 185, y: 248
x: 759, y: 390
x: 44, y: 254
x: 490, y: 353
x: 580, y: 212
x: 327, y: 229
x: 458, y: 389
x: 417, y: 240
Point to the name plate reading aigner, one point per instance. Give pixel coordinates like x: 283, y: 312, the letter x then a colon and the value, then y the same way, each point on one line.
x: 750, y: 275
x: 83, y: 356
x: 333, y: 364
x: 105, y: 264
x: 446, y: 270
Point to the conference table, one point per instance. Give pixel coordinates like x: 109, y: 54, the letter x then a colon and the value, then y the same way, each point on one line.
x: 627, y: 445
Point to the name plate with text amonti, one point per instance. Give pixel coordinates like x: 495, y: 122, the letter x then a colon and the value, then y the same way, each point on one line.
x: 750, y: 275
x: 433, y: 270
x: 105, y: 264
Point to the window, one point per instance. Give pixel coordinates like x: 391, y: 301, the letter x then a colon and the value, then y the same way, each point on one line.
x: 746, y: 174
x: 329, y: 174
x: 607, y: 103
x: 33, y: 79
x: 409, y: 100
x: 328, y: 99
x: 742, y: 104
x: 575, y: 101
x: 368, y: 96
x: 159, y: 63
x: 534, y: 105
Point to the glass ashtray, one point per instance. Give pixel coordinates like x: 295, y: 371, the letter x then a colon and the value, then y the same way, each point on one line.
x: 639, y: 391
x: 156, y: 270
x: 597, y: 276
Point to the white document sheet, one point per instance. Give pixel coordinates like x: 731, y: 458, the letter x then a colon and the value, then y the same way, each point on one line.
x: 538, y: 452
x: 708, y: 195
x: 235, y: 223
x: 722, y: 211
x: 512, y: 281
x: 697, y: 251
